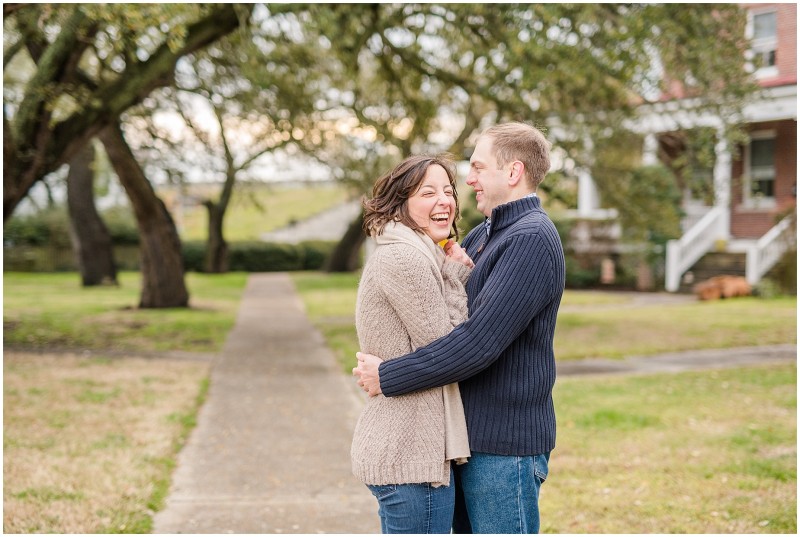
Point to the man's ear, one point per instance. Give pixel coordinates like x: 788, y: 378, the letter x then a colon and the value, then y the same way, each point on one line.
x: 516, y: 173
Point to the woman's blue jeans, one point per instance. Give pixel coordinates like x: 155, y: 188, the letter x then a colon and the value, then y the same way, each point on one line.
x: 499, y: 493
x: 415, y: 507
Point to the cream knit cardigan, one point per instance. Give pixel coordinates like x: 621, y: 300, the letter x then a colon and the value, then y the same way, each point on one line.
x: 409, y: 295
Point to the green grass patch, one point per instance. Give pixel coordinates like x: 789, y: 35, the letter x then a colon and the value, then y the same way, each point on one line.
x: 53, y: 310
x: 618, y: 419
x: 97, y: 396
x: 697, y: 452
x: 109, y: 428
x: 46, y: 494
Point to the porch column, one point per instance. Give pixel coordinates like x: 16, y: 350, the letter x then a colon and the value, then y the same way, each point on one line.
x: 722, y: 180
x: 588, y: 196
x: 650, y: 150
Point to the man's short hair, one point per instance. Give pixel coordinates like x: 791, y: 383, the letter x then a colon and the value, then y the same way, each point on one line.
x: 522, y: 142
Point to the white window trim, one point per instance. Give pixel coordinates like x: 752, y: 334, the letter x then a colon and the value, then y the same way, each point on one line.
x: 769, y: 71
x: 750, y: 202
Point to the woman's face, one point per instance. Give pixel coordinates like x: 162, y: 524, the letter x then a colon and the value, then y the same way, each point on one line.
x: 432, y: 206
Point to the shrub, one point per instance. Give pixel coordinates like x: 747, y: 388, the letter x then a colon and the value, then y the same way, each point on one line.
x: 254, y: 256
x: 782, y: 279
x: 263, y: 257
x: 121, y: 225
x: 579, y: 276
x: 243, y: 257
x: 193, y: 255
x: 48, y: 227
x: 315, y: 253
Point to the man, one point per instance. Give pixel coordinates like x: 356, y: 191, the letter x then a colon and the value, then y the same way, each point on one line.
x: 502, y: 356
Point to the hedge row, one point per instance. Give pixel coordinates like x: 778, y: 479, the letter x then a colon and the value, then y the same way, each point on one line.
x: 50, y: 227
x: 255, y: 256
x: 243, y: 257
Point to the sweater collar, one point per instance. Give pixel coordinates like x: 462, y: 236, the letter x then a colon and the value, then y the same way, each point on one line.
x: 508, y: 213
x: 395, y: 232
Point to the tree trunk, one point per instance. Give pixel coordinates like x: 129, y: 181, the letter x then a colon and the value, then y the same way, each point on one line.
x: 346, y: 256
x: 91, y: 240
x: 159, y: 246
x: 216, y: 260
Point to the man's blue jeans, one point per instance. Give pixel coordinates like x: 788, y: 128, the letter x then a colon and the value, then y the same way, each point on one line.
x: 415, y: 507
x: 499, y: 493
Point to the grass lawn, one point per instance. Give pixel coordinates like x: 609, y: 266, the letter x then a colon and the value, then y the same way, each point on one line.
x: 90, y: 441
x: 618, y: 332
x: 89, y: 444
x: 593, y: 324
x: 52, y: 310
x: 330, y: 302
x: 697, y: 452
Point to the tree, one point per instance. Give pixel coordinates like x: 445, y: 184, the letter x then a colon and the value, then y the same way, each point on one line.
x: 578, y: 71
x: 393, y: 79
x: 238, y: 101
x: 650, y: 195
x: 160, y: 248
x: 100, y: 61
x: 90, y: 237
x: 91, y: 62
x: 377, y: 112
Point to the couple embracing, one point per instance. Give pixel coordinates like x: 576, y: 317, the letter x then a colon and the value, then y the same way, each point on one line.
x: 457, y: 342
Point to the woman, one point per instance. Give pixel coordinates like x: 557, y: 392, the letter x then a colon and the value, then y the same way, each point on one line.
x: 412, y: 292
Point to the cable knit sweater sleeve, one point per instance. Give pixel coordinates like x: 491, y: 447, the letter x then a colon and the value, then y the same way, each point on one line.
x: 407, y: 279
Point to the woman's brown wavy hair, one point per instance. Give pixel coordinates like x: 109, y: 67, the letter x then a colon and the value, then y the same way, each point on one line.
x: 391, y: 192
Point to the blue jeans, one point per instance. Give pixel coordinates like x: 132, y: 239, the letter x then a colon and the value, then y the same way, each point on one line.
x: 499, y: 493
x: 415, y: 507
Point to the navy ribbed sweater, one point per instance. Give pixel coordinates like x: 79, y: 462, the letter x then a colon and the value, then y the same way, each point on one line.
x: 502, y: 356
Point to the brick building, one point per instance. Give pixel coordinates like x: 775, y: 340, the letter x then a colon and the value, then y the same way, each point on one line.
x: 755, y: 184
x: 769, y: 167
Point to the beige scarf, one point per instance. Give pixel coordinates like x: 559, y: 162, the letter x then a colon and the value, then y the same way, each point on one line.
x: 456, y: 439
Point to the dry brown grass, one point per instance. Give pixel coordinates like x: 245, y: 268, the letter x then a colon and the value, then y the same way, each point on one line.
x: 89, y: 442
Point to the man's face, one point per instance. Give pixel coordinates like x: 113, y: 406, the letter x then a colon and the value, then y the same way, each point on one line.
x: 488, y: 180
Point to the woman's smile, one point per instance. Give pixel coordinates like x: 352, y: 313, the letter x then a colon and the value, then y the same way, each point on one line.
x: 433, y: 205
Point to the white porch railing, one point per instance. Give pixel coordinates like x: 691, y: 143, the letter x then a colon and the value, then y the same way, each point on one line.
x: 763, y: 255
x: 699, y: 240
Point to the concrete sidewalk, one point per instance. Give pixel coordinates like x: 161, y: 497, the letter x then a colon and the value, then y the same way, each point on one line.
x: 675, y: 362
x: 271, y: 450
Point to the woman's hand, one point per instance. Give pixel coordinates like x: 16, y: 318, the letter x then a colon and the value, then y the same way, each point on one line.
x: 456, y: 253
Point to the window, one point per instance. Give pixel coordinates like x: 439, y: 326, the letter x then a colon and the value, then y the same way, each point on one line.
x: 761, y: 168
x: 765, y: 40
